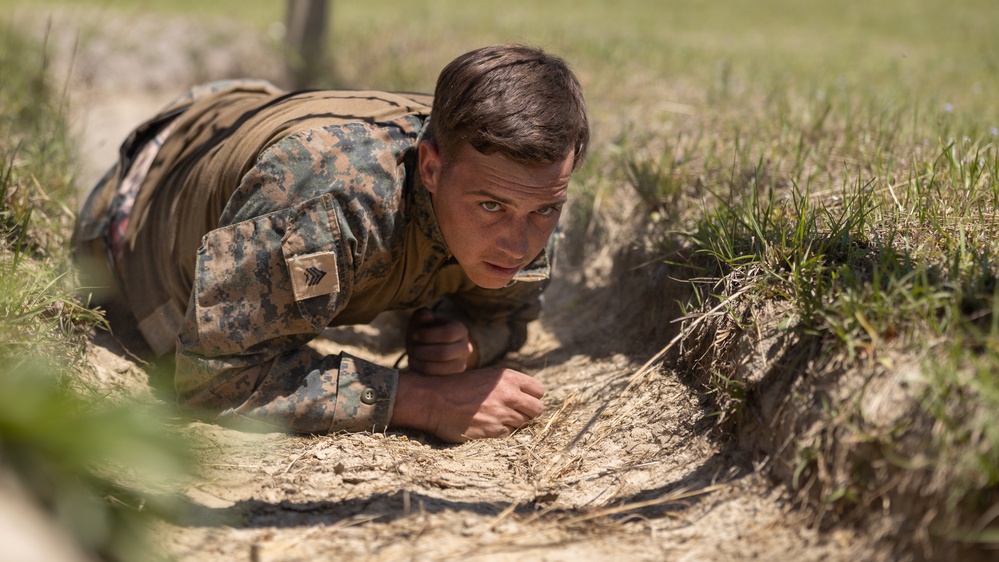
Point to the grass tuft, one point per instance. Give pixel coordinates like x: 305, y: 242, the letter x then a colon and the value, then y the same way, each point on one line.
x: 875, y: 269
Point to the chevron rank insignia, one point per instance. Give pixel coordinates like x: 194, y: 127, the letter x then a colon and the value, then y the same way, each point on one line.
x: 314, y: 275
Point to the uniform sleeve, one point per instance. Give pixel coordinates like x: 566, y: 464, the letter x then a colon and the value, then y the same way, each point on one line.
x: 263, y: 289
x: 298, y: 390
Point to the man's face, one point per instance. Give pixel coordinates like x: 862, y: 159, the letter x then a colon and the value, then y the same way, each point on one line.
x: 495, y: 214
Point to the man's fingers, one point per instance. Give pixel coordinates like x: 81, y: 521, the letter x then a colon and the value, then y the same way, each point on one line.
x: 532, y: 386
x: 436, y: 346
x: 474, y: 404
x: 445, y: 359
x: 449, y: 331
x: 441, y: 351
x: 501, y: 426
x: 529, y: 407
x: 518, y: 419
x: 420, y: 319
x: 437, y: 367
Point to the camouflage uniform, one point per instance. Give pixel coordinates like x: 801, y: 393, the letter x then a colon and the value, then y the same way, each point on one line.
x: 242, y: 221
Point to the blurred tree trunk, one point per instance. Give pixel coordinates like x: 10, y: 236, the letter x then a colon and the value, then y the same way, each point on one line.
x: 305, y: 41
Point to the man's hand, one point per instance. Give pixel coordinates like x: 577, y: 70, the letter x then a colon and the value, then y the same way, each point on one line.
x: 471, y: 405
x: 436, y: 346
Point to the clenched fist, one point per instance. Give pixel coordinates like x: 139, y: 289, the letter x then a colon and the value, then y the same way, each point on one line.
x: 438, y: 346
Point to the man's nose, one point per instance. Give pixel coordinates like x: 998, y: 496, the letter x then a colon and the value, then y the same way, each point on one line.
x: 515, y: 240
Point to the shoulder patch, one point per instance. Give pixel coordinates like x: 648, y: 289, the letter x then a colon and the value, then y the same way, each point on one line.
x: 313, y: 275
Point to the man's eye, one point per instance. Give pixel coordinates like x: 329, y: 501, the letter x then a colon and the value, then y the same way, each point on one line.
x: 490, y: 206
x: 547, y: 211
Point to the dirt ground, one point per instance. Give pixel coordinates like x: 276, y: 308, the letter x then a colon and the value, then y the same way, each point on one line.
x: 610, y: 471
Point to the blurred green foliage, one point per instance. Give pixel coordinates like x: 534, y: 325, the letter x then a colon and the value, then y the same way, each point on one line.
x: 99, y: 470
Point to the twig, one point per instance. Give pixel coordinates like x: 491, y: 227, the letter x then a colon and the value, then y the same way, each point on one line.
x: 677, y: 495
x: 293, y: 461
x: 565, y: 404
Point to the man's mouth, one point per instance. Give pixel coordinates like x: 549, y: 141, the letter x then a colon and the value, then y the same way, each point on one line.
x: 503, y: 270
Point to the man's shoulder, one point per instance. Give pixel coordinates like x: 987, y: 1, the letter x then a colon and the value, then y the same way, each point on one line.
x: 345, y: 106
x: 351, y: 145
x: 361, y: 167
x: 349, y: 133
x: 357, y: 154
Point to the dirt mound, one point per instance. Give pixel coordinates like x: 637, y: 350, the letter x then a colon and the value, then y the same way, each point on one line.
x: 846, y: 433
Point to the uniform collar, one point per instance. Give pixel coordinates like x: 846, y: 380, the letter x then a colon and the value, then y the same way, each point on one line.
x: 422, y: 209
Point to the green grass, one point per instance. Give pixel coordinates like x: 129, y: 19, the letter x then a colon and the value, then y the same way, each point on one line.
x: 35, y: 156
x: 931, y: 51
x: 876, y: 223
x: 87, y: 464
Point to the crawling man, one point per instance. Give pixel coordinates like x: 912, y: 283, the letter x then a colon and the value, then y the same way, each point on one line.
x: 242, y: 221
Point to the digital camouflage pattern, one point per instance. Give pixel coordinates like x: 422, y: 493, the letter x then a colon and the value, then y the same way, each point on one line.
x: 265, y: 217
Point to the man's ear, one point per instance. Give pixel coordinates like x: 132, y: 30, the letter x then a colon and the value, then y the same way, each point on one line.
x: 430, y: 165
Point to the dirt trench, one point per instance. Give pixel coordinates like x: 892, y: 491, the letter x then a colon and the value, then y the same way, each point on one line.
x: 623, y: 465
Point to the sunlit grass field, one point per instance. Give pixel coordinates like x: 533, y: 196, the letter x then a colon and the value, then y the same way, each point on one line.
x: 930, y: 52
x: 839, y: 157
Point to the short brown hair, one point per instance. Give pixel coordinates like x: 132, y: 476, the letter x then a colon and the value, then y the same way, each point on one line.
x: 516, y: 100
